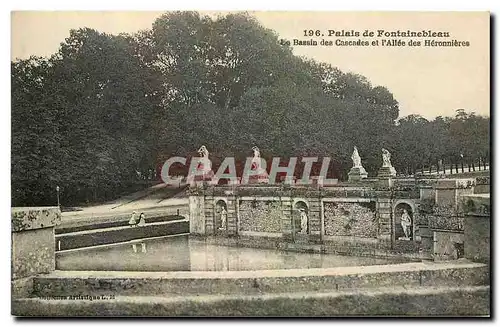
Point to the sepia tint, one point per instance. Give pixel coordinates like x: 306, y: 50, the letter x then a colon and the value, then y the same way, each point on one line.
x: 236, y: 164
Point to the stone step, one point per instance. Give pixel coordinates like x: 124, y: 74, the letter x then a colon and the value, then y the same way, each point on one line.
x: 400, y: 301
x: 127, y: 283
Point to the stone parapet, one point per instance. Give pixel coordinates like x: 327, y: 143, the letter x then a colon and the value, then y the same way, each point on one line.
x: 30, y: 218
x: 33, y: 241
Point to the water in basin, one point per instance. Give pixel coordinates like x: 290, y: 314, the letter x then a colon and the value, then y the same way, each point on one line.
x: 181, y: 253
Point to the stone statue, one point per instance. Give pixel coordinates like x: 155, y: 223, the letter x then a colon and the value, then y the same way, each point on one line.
x: 260, y: 174
x: 204, y: 163
x: 387, y: 170
x: 357, y: 171
x: 303, y: 221
x: 406, y: 223
x: 203, y: 169
x: 223, y: 218
x: 256, y: 158
x: 356, y: 159
x: 203, y: 151
x: 386, y: 158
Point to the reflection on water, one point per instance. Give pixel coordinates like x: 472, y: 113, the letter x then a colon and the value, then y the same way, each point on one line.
x: 183, y: 254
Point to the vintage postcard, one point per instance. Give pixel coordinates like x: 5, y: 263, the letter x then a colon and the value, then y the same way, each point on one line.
x: 249, y: 164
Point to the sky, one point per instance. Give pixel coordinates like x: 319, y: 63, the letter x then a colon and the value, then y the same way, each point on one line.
x: 429, y: 81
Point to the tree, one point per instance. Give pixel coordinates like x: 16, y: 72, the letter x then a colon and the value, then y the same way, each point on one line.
x: 93, y: 109
x: 105, y: 106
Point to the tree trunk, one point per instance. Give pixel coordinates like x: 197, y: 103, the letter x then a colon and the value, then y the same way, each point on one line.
x: 228, y: 100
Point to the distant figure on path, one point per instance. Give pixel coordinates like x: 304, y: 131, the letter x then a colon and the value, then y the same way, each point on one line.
x: 132, y: 220
x: 142, y: 219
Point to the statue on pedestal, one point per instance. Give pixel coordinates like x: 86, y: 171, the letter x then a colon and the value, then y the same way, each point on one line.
x: 204, y: 163
x: 387, y: 170
x: 357, y: 171
x: 260, y: 174
x: 386, y: 158
x: 356, y: 159
x: 203, y: 168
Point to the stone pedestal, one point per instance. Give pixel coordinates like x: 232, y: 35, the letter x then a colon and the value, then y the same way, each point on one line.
x: 33, y: 245
x: 357, y: 173
x: 385, y: 182
x: 385, y: 172
x: 201, y: 178
x: 260, y: 177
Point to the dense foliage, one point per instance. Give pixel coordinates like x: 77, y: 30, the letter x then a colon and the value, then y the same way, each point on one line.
x: 105, y: 106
